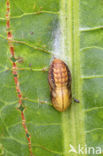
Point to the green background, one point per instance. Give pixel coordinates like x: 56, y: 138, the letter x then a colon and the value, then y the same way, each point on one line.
x: 33, y: 24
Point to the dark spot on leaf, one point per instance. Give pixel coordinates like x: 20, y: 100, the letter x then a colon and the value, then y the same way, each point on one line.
x: 76, y: 100
x: 31, y: 33
x: 27, y: 134
x: 13, y: 59
x: 21, y: 108
x: 15, y: 75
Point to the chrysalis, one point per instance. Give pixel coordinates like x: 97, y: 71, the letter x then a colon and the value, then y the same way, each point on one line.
x: 59, y: 78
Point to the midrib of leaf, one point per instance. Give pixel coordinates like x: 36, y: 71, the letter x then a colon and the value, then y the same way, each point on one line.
x: 77, y: 90
x: 73, y: 119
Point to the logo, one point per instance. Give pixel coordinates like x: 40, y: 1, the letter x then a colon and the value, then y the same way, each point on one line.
x: 85, y: 149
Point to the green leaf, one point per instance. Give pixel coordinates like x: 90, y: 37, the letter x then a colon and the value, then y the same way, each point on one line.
x: 72, y: 31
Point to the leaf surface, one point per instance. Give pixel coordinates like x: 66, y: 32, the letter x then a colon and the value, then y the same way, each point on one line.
x: 72, y: 31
